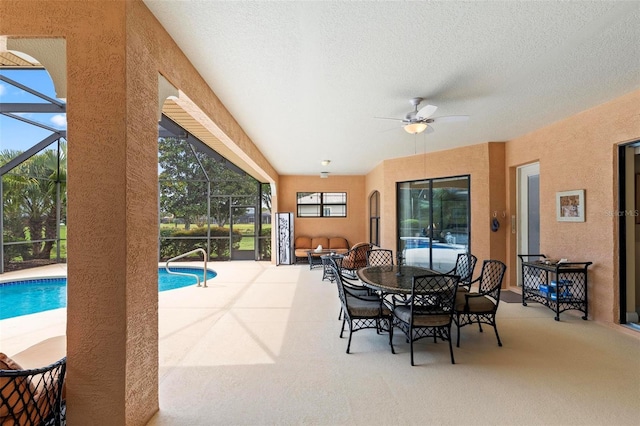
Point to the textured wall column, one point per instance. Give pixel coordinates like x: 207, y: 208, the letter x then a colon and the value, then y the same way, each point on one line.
x: 498, y: 204
x: 112, y: 320
x: 113, y: 293
x: 112, y: 311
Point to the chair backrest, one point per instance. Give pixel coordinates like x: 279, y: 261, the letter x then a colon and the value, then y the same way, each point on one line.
x: 32, y: 397
x: 335, y: 262
x: 490, y: 280
x: 465, y: 265
x: 433, y: 294
x: 341, y: 293
x: 379, y: 257
x: 356, y: 258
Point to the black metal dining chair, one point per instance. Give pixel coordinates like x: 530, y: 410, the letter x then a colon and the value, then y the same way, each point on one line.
x: 379, y: 257
x: 349, y: 283
x: 355, y: 259
x: 361, y: 311
x: 465, y: 265
x: 428, y: 311
x: 481, y: 306
x: 32, y: 396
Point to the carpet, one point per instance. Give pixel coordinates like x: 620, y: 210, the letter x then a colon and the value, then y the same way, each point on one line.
x: 510, y: 297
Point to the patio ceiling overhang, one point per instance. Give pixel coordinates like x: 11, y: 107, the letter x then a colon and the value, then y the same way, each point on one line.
x: 187, y: 121
x: 11, y: 60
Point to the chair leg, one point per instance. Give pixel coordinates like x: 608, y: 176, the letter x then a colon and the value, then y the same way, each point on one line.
x: 344, y: 319
x: 411, y: 346
x: 349, y: 342
x: 479, y: 324
x: 458, y: 330
x: 495, y: 328
x: 451, y: 348
x: 391, y: 336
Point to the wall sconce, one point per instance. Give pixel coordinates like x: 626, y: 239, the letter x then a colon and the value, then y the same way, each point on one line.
x: 324, y: 175
x: 325, y: 162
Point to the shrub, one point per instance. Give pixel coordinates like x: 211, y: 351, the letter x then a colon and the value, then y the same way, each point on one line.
x: 265, y: 244
x: 174, y: 242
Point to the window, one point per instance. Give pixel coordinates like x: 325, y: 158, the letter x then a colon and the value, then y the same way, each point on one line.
x: 374, y: 218
x: 433, y: 221
x: 322, y: 204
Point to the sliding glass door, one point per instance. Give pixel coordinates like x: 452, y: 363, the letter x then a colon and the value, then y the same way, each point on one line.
x: 433, y: 221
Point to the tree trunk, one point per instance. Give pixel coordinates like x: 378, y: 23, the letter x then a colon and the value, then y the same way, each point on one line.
x: 50, y: 233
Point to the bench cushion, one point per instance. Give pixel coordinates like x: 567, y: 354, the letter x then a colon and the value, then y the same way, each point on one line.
x: 304, y: 244
x: 320, y: 241
x: 339, y: 244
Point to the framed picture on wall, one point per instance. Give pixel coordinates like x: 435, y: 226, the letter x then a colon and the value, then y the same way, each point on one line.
x: 570, y: 206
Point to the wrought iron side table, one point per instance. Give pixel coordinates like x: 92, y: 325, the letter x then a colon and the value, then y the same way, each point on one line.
x: 558, y: 286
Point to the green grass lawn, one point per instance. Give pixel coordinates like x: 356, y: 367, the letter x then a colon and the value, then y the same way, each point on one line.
x: 247, y: 230
x: 247, y: 243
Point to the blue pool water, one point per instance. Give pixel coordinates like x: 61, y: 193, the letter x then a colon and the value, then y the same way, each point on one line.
x: 411, y: 243
x: 31, y: 296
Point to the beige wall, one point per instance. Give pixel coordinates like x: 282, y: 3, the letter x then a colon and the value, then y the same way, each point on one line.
x: 353, y: 227
x: 581, y: 153
x: 483, y: 162
x: 576, y: 153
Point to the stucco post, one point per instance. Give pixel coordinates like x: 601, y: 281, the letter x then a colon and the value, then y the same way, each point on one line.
x: 112, y: 314
x: 112, y: 165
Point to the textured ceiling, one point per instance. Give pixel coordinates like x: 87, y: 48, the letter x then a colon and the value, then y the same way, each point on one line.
x: 306, y: 79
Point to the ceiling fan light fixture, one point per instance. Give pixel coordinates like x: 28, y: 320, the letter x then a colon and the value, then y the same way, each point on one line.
x: 415, y: 128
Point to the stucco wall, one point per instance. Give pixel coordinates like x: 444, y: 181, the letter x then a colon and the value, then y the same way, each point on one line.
x: 353, y: 227
x: 486, y: 189
x: 112, y: 169
x: 115, y: 50
x: 581, y: 153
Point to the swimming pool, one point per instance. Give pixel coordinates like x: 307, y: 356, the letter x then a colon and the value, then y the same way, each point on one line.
x: 43, y: 294
x: 424, y: 242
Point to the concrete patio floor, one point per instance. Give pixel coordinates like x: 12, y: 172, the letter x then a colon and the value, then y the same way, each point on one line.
x: 260, y: 346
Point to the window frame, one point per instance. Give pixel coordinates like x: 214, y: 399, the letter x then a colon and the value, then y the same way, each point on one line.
x: 429, y: 186
x: 374, y: 218
x: 322, y: 206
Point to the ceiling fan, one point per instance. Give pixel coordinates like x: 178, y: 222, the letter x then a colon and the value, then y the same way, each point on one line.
x: 417, y: 121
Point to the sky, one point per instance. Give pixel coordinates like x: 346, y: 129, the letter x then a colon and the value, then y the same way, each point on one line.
x: 14, y: 134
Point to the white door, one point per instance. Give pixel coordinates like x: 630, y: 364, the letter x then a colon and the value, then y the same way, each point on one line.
x: 528, y: 211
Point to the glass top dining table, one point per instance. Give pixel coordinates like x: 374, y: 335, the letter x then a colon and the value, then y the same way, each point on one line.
x: 391, y: 279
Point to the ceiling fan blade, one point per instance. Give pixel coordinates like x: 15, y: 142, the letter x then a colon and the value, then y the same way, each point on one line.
x: 388, y: 130
x: 389, y: 118
x: 426, y: 111
x: 450, y: 119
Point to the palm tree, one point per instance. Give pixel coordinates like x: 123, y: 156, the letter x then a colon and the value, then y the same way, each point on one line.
x: 30, y: 196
